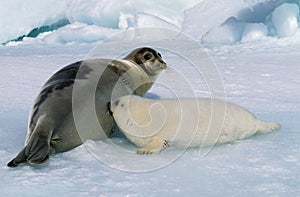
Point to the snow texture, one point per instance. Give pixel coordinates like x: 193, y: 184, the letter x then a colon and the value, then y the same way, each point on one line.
x: 254, y: 32
x: 78, y: 33
x: 230, y: 32
x: 197, y: 18
x: 20, y: 17
x: 284, y: 20
x: 206, y: 15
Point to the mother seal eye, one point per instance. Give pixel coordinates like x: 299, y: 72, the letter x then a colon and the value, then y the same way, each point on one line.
x: 148, y: 56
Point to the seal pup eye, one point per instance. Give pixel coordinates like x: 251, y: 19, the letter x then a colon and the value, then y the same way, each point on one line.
x: 147, y: 56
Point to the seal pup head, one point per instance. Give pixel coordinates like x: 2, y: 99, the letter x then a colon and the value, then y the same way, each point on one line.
x: 122, y: 104
x: 141, y: 120
x: 130, y: 110
x: 136, y: 114
x: 150, y: 60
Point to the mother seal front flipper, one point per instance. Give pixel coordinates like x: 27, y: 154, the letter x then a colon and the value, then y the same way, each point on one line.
x: 52, y: 126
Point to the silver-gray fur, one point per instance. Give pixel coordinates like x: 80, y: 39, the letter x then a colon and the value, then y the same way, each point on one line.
x: 52, y: 126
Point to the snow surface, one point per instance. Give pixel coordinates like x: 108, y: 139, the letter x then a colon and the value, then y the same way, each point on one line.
x: 258, y: 71
x: 263, y: 77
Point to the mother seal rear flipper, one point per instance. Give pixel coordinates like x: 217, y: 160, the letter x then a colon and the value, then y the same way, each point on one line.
x: 52, y: 126
x: 37, y: 150
x: 20, y: 158
x: 39, y: 157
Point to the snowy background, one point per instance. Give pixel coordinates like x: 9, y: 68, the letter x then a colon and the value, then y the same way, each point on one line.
x: 255, y: 45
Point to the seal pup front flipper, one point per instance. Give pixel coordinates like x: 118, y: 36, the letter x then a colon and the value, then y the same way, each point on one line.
x: 37, y: 150
x: 156, y: 144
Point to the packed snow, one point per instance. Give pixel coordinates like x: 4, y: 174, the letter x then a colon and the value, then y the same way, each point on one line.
x: 201, y: 19
x: 20, y: 17
x: 104, y: 13
x: 252, y: 59
x: 254, y: 32
x: 76, y: 33
x: 230, y: 32
x: 281, y: 22
x: 285, y: 20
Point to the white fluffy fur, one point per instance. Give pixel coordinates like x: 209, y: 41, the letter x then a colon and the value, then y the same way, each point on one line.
x: 154, y: 124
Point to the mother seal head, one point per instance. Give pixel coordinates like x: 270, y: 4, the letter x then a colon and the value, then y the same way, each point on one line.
x: 52, y: 125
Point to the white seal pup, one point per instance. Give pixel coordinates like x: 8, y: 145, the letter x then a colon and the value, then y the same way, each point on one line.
x: 52, y: 126
x: 156, y: 124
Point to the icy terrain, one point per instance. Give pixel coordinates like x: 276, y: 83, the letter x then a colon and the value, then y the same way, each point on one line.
x: 79, y: 21
x: 264, y: 80
x: 259, y: 69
